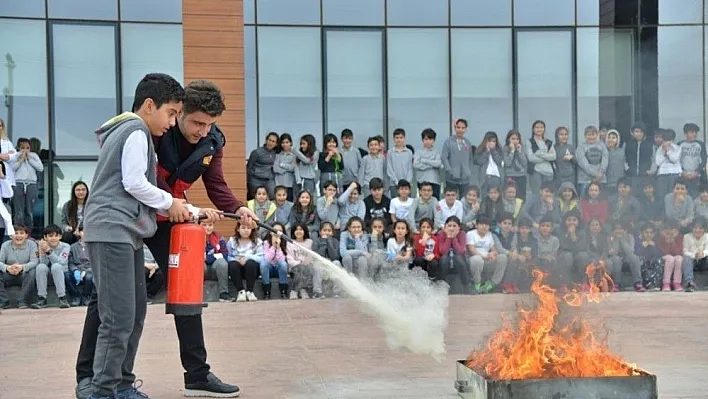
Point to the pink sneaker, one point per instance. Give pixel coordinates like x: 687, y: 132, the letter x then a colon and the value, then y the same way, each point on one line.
x: 677, y: 287
x: 666, y: 287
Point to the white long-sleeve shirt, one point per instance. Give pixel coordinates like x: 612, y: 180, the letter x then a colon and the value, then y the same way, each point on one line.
x: 7, y: 147
x: 669, y: 162
x: 133, y: 168
x: 691, y: 245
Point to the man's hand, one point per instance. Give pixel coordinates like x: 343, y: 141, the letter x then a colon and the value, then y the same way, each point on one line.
x: 247, y: 217
x: 178, y: 211
x: 212, y: 215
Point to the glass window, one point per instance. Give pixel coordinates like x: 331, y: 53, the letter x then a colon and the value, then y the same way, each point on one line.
x: 290, y: 82
x: 83, y: 9
x: 251, y: 85
x: 23, y: 9
x: 84, y: 85
x: 680, y: 76
x: 607, y: 12
x: 66, y: 173
x: 347, y: 12
x: 545, y: 79
x: 544, y: 12
x: 151, y: 10
x: 418, y: 83
x: 680, y: 11
x: 249, y: 12
x: 306, y: 12
x: 605, y: 59
x: 23, y: 87
x: 418, y: 12
x: 162, y: 53
x: 355, y: 83
x: 482, y: 92
x: 480, y: 12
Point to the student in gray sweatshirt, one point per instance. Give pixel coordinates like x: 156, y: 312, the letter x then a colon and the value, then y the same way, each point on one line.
x: 423, y: 207
x: 307, y: 158
x: 18, y: 261
x: 679, y: 206
x: 282, y: 206
x: 399, y: 162
x: 351, y: 158
x: 54, y: 259
x: 616, y: 161
x: 25, y: 194
x: 350, y: 204
x: 327, y: 205
x: 457, y: 157
x: 427, y: 162
x: 541, y: 155
x: 592, y: 159
x: 285, y: 165
x: 353, y: 247
x: 515, y: 162
x: 693, y: 158
x: 259, y: 168
x: 372, y: 165
x: 700, y: 204
x: 565, y: 158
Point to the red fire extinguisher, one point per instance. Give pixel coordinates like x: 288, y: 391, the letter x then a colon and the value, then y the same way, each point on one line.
x: 185, y: 284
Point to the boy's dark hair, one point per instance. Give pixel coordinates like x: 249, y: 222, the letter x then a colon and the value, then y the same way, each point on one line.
x: 525, y: 222
x: 375, y: 184
x: 548, y: 185
x: 647, y: 182
x: 347, y: 133
x: 460, y: 120
x: 691, y: 127
x: 203, y: 96
x: 280, y: 188
x: 572, y: 213
x: 51, y: 229
x: 505, y: 216
x: 546, y: 219
x: 699, y: 221
x: 399, y: 132
x: 371, y: 139
x: 639, y: 125
x: 473, y: 188
x: 624, y: 180
x: 680, y: 182
x: 428, y: 133
x: 702, y: 188
x: 450, y: 189
x: 483, y: 219
x: 605, y: 125
x: 668, y: 134
x: 22, y: 227
x: 669, y: 224
x: 159, y: 87
x: 380, y: 139
x: 647, y: 226
x: 301, y: 225
x: 23, y: 140
x: 620, y: 222
x: 403, y: 183
x: 590, y: 129
x: 329, y: 183
x: 424, y: 184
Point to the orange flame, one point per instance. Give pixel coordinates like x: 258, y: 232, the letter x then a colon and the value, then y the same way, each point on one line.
x: 540, y: 347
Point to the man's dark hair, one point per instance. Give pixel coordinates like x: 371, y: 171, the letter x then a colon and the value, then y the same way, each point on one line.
x: 347, y: 133
x: 204, y: 96
x: 428, y: 133
x: 375, y: 184
x: 160, y: 87
x: 51, y: 229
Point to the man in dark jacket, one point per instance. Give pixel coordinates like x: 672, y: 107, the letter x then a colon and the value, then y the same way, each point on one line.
x: 190, y: 150
x: 638, y: 152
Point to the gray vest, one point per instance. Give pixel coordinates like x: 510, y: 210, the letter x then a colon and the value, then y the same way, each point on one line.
x: 111, y: 214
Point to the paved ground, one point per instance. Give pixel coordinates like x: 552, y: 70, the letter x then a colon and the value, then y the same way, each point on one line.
x: 328, y: 349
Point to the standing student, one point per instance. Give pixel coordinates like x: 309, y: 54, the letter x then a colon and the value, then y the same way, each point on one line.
x: 565, y: 157
x: 399, y: 162
x: 285, y: 165
x: 458, y: 159
x: 26, y: 168
x: 540, y: 154
x: 427, y: 162
x: 639, y: 153
x: 489, y: 158
x: 259, y: 168
x: 373, y: 166
x: 693, y: 158
x: 351, y: 158
x: 616, y: 160
x: 8, y: 154
x: 307, y: 157
x: 118, y: 216
x: 330, y: 162
x: 515, y: 162
x: 592, y: 161
x: 668, y: 161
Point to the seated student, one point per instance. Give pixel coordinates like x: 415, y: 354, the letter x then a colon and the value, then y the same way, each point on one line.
x: 262, y: 207
x: 542, y: 206
x: 154, y: 279
x: 350, y: 204
x: 402, y: 205
x: 327, y: 246
x: 650, y: 255
x: 304, y: 212
x: 216, y: 267
x: 678, y: 205
x: 480, y: 246
x: 695, y: 250
x: 282, y: 206
x: 54, y: 259
x: 446, y: 207
x: 328, y: 206
x: 80, y: 269
x: 398, y: 247
x: 599, y: 245
x: 353, y: 247
x: 573, y: 250
x: 548, y: 246
x: 502, y: 242
x: 452, y: 241
x: 621, y: 250
x: 594, y: 206
x: 525, y: 249
x: 651, y: 206
x: 423, y: 207
x: 623, y: 205
x: 492, y: 206
x: 376, y: 247
x: 567, y: 199
x: 274, y: 250
x: 670, y: 244
x: 700, y: 204
x: 471, y: 206
x: 299, y: 261
x: 427, y: 250
x: 377, y: 204
x: 512, y: 204
x: 244, y: 257
x: 18, y: 261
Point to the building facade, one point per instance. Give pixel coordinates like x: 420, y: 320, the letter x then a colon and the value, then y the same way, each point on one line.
x: 319, y: 66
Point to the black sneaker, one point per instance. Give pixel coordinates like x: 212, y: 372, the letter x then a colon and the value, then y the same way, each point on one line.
x: 5, y: 305
x: 690, y: 286
x: 40, y: 304
x: 63, y: 303
x: 76, y: 301
x: 226, y: 297
x: 22, y: 305
x: 211, y: 388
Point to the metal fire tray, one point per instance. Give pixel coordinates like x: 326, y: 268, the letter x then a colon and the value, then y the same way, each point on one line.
x: 470, y: 385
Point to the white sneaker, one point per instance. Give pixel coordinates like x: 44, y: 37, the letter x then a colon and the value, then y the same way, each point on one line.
x: 304, y: 294
x: 293, y: 295
x: 251, y: 296
x: 241, y: 297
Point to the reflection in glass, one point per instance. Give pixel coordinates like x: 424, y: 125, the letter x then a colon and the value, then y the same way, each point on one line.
x: 680, y: 11
x: 23, y: 78
x: 290, y: 81
x: 607, y: 12
x: 482, y: 92
x: 418, y: 83
x: 139, y: 57
x: 418, y: 12
x: 84, y: 85
x: 355, y: 84
x: 347, y: 12
x: 545, y: 80
x: 283, y: 12
x: 151, y: 10
x: 83, y: 9
x: 249, y: 51
x: 249, y: 12
x: 480, y: 13
x: 66, y: 173
x: 544, y: 12
x: 22, y: 9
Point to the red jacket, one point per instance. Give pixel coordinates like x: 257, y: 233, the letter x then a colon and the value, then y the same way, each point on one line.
x: 420, y: 247
x: 670, y: 248
x: 458, y: 244
x: 594, y: 211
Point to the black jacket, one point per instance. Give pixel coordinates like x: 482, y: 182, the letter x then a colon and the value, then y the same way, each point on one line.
x: 645, y: 149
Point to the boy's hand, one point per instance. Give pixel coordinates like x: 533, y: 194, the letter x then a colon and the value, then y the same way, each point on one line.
x: 178, y: 211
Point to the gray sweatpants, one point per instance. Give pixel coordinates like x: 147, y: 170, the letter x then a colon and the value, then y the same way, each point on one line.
x: 356, y: 264
x: 23, y: 199
x: 25, y: 279
x: 478, y: 264
x: 219, y: 271
x: 318, y: 276
x: 41, y: 274
x: 119, y: 277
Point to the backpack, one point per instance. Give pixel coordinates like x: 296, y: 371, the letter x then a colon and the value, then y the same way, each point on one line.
x: 534, y: 148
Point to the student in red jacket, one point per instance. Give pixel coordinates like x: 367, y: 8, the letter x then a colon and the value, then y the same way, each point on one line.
x: 593, y: 206
x: 453, y: 246
x: 427, y: 250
